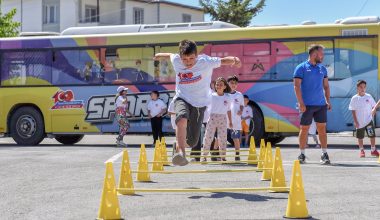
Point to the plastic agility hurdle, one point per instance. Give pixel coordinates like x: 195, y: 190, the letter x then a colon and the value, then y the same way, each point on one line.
x: 110, y: 208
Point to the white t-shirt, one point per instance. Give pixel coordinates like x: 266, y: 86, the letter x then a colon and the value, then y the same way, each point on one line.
x: 247, y: 111
x: 237, y: 100
x: 220, y: 104
x: 193, y: 85
x: 156, y: 106
x: 172, y: 116
x: 362, y: 105
x: 206, y: 115
x: 119, y: 102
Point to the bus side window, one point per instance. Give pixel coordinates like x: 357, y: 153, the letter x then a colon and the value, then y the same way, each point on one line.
x: 26, y: 68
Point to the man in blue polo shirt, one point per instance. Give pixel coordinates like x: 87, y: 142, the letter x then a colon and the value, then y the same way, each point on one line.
x: 312, y: 90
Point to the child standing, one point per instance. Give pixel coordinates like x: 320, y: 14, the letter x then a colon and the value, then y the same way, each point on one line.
x: 121, y: 114
x: 193, y: 77
x: 220, y: 106
x: 237, y: 105
x: 246, y: 117
x: 361, y: 106
x: 156, y: 109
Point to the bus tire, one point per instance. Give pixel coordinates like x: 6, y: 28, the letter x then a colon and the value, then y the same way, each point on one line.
x: 69, y: 139
x: 27, y: 126
x: 257, y: 129
x: 275, y: 139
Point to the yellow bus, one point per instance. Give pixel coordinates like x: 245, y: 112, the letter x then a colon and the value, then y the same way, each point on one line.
x: 64, y: 86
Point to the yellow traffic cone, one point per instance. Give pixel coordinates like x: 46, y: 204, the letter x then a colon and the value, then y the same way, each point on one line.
x: 296, y: 201
x: 378, y: 160
x: 267, y: 174
x: 143, y: 166
x: 109, y: 204
x: 262, y: 154
x: 126, y: 180
x: 164, y: 153
x: 252, y: 157
x: 278, y: 176
x: 157, y: 159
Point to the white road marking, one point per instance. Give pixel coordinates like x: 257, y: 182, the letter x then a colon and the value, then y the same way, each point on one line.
x: 114, y: 157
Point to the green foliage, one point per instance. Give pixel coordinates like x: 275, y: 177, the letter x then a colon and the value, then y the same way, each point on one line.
x: 8, y: 28
x: 238, y: 12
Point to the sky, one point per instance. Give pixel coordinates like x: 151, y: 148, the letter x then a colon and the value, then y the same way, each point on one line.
x: 297, y: 11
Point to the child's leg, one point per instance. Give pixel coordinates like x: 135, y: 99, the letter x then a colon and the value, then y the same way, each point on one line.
x: 373, y: 143
x: 222, y: 135
x: 209, y: 135
x: 360, y: 143
x: 182, y: 115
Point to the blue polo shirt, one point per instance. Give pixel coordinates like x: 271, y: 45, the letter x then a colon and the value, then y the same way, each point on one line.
x: 312, y: 83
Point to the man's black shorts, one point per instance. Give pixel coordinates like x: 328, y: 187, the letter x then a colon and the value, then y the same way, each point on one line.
x: 319, y: 113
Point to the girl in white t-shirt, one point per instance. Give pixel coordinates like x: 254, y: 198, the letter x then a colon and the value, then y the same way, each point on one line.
x: 121, y: 114
x: 220, y: 107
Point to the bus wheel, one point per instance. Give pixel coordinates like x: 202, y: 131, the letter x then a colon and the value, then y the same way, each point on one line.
x: 275, y: 139
x: 69, y: 139
x: 256, y: 128
x: 27, y: 126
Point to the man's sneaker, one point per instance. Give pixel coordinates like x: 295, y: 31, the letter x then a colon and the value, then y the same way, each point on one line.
x: 179, y: 160
x: 375, y: 153
x: 362, y: 153
x: 302, y: 158
x: 121, y: 143
x: 325, y: 159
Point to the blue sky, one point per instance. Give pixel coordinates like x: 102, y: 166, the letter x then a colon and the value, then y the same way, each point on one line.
x: 296, y: 11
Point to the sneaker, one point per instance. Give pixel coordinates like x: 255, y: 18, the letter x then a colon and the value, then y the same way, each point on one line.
x: 375, y: 153
x: 179, y: 160
x: 237, y: 158
x: 204, y: 159
x: 302, y: 158
x: 195, y: 160
x: 121, y: 143
x: 317, y: 146
x: 325, y: 160
x: 362, y: 153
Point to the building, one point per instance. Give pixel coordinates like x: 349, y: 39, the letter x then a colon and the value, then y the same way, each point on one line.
x: 57, y: 15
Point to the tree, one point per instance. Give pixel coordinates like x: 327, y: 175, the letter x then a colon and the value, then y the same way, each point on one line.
x: 238, y: 12
x: 8, y: 27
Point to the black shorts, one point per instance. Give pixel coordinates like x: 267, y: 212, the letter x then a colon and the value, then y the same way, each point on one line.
x: 369, y: 129
x: 194, y: 118
x: 319, y: 113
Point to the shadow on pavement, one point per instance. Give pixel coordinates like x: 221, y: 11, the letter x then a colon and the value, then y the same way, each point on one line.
x: 243, y: 196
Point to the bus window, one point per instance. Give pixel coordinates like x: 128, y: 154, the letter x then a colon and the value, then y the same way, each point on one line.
x: 72, y: 67
x: 354, y: 56
x: 286, y: 56
x: 166, y: 70
x: 26, y: 68
x: 223, y: 50
x: 129, y: 65
x: 329, y: 58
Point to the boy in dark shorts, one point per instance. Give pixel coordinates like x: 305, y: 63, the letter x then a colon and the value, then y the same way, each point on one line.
x: 193, y: 78
x: 361, y: 106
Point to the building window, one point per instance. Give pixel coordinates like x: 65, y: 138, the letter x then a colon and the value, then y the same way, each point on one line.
x: 186, y: 18
x: 91, y: 14
x: 138, y: 15
x: 50, y: 14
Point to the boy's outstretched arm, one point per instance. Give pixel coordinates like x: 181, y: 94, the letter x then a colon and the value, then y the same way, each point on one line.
x: 159, y: 56
x: 231, y: 61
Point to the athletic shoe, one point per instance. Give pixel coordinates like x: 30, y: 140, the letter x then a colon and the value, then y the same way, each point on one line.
x: 325, y: 159
x: 317, y: 146
x: 237, y: 158
x: 179, y: 160
x: 302, y: 158
x: 375, y: 153
x: 362, y: 153
x: 121, y: 143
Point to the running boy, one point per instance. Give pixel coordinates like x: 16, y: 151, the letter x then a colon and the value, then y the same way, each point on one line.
x: 193, y: 77
x: 237, y: 105
x: 361, y: 106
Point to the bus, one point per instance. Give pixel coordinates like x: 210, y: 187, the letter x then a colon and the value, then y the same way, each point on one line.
x: 64, y: 87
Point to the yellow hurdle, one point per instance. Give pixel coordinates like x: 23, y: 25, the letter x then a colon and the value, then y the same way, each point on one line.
x: 297, y: 207
x: 262, y: 154
x: 109, y: 203
x: 143, y: 166
x: 199, y: 190
x: 201, y: 171
x: 125, y: 180
x: 157, y: 166
x: 164, y: 152
x: 252, y: 151
x: 267, y: 174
